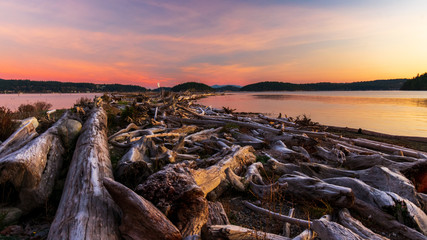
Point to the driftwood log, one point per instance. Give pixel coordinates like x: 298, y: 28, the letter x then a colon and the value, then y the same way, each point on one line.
x: 86, y: 211
x: 34, y: 168
x: 25, y: 133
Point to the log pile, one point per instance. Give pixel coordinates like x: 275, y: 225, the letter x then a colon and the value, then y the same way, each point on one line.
x: 181, y: 160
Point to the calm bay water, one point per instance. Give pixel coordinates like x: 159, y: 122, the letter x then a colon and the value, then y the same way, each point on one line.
x: 392, y: 112
x: 58, y: 100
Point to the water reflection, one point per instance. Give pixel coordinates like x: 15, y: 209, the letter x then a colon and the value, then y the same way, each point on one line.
x: 393, y: 112
x: 346, y: 100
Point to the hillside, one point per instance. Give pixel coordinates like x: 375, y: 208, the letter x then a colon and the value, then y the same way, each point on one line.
x: 28, y: 86
x: 416, y: 83
x: 192, y: 86
x: 393, y: 84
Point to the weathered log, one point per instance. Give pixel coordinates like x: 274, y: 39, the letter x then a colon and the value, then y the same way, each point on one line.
x: 323, y: 171
x: 306, y: 235
x: 232, y: 232
x: 311, y: 189
x: 209, y: 178
x: 385, y: 179
x: 282, y: 153
x: 174, y: 192
x: 346, y: 220
x: 34, y: 168
x: 25, y: 133
x: 333, y: 231
x: 278, y: 216
x: 131, y: 126
x: 140, y: 218
x: 135, y: 166
x: 86, y: 211
x: 388, y: 148
x: 364, y: 192
x: 333, y: 156
x: 217, y: 215
x: 385, y: 221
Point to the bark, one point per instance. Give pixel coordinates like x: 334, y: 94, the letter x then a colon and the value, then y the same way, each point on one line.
x: 25, y: 133
x: 174, y: 192
x: 385, y: 221
x: 86, y: 211
x: 310, y: 189
x: 333, y: 231
x: 346, y: 220
x: 232, y: 232
x: 34, y: 168
x: 140, y: 218
x: 217, y: 215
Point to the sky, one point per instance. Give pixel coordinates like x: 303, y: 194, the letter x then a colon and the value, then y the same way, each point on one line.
x: 213, y: 42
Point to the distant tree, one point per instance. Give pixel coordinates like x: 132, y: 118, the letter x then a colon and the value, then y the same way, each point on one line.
x: 417, y: 83
x: 192, y: 86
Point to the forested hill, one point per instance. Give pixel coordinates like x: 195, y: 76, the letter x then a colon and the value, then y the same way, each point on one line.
x: 27, y: 86
x: 417, y: 83
x: 393, y: 84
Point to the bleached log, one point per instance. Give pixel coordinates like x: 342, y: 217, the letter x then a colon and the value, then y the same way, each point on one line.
x: 202, y: 135
x: 385, y: 179
x: 25, y: 133
x: 232, y: 232
x: 34, y: 168
x: 86, y: 211
x: 388, y: 148
x: 364, y: 192
x: 346, y: 220
x: 385, y: 221
x: 209, y: 178
x: 306, y: 235
x: 281, y: 168
x: 278, y: 216
x: 280, y: 120
x: 287, y: 226
x: 223, y: 122
x: 323, y: 171
x: 131, y: 126
x: 282, y: 153
x: 333, y: 231
x: 140, y: 218
x: 310, y: 189
x: 333, y: 156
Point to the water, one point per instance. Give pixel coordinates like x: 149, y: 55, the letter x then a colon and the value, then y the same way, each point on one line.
x: 58, y: 100
x: 392, y: 112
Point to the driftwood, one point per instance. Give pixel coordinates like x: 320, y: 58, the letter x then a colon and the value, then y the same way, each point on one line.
x: 385, y: 221
x: 86, y: 211
x: 232, y: 232
x: 346, y: 220
x: 217, y: 215
x: 333, y: 231
x: 310, y: 189
x: 140, y: 218
x: 283, y: 154
x: 175, y: 193
x: 25, y: 133
x: 34, y: 168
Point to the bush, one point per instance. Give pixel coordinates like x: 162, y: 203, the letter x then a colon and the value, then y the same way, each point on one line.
x: 7, y: 126
x: 33, y: 110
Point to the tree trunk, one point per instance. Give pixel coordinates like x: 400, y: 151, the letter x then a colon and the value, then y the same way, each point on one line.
x: 25, y: 133
x: 86, y: 210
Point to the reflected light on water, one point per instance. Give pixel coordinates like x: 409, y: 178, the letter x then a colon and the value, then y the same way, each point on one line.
x: 393, y: 112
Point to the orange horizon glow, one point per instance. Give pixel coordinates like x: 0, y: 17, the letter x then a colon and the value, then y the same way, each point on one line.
x: 240, y: 42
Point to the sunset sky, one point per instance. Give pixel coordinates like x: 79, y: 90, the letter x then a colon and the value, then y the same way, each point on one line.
x: 215, y: 42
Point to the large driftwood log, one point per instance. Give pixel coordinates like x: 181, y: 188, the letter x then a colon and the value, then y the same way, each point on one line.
x: 140, y: 218
x: 310, y: 189
x: 388, y: 148
x: 232, y: 232
x: 282, y: 153
x: 86, y: 211
x: 25, y: 133
x: 333, y: 231
x: 174, y: 192
x: 34, y: 168
x: 346, y: 220
x: 382, y: 220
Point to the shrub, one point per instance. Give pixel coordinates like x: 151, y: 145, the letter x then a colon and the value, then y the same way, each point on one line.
x: 7, y: 126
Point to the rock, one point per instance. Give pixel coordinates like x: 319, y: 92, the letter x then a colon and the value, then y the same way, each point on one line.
x: 12, y: 215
